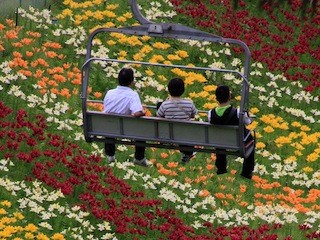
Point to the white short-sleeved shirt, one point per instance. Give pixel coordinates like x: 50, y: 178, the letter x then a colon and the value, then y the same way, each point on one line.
x: 122, y: 100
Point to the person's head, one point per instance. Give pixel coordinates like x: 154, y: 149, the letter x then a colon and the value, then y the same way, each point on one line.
x: 176, y: 87
x: 223, y: 94
x: 125, y: 77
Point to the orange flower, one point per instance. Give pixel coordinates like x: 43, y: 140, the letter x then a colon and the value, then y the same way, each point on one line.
x: 243, y: 188
x: 219, y: 195
x: 34, y: 34
x: 34, y: 64
x: 52, y: 45
x: 54, y: 91
x: 11, y: 34
x: 70, y: 75
x: 209, y: 166
x: 1, y: 47
x: 164, y: 155
x: 43, y: 91
x: 181, y: 169
x: 204, y: 193
x: 53, y: 83
x: 17, y: 44
x: 26, y: 73
x: 17, y: 54
x: 222, y: 187
x: 188, y: 180
x: 97, y: 94
x: 76, y: 92
x: 1, y: 27
x: 38, y: 73
x: 26, y: 41
x: 59, y: 78
x: 243, y: 204
x: 172, y: 164
x: 233, y: 171
x: 66, y: 65
x: 29, y: 54
x: 76, y: 81
x: 51, y: 54
x: 42, y: 62
x: 42, y: 84
x: 65, y: 92
x: 10, y: 22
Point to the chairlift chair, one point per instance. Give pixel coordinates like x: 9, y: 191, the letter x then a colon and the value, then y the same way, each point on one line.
x: 160, y: 132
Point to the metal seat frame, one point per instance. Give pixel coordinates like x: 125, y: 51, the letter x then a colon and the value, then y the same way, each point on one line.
x: 159, y: 132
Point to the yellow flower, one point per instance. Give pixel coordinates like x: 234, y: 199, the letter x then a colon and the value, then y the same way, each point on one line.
x: 112, y: 6
x: 18, y: 215
x: 282, y: 140
x: 29, y: 236
x: 121, y: 19
x: 254, y: 110
x: 238, y: 98
x: 109, y: 25
x: 203, y: 94
x: 146, y: 49
x: 31, y: 228
x: 111, y: 42
x: 58, y: 236
x: 210, y: 88
x: 127, y: 15
x: 172, y: 57
x: 156, y: 58
x: 109, y: 14
x: 260, y: 145
x: 268, y: 129
x: 138, y: 56
x: 182, y: 53
x: 122, y: 53
x: 290, y: 159
x: 149, y: 73
x: 295, y: 124
x: 3, y: 211
x: 209, y: 105
x: 305, y: 128
x: 66, y: 12
x: 145, y: 38
x: 5, y: 203
x: 162, y: 78
x: 307, y: 169
x: 160, y: 45
x: 312, y: 157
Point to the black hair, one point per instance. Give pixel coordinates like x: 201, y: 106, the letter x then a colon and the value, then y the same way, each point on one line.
x: 125, y: 77
x: 176, y: 87
x: 222, y: 94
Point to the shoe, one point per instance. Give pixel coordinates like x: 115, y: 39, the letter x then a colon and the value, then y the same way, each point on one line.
x: 186, y: 158
x: 111, y: 159
x: 221, y: 172
x: 143, y: 162
x: 248, y: 176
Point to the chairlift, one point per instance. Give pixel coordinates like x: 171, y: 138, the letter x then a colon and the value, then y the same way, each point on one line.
x: 159, y: 132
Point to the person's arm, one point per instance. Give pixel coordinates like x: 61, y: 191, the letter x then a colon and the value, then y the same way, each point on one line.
x: 246, y: 118
x: 139, y: 114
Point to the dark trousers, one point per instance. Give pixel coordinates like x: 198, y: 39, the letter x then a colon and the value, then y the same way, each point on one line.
x: 247, y: 167
x: 110, y: 150
x: 188, y: 153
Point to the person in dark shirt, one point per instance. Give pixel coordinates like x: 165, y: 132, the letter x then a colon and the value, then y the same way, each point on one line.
x: 225, y: 114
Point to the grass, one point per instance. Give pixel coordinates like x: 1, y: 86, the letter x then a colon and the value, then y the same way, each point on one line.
x: 267, y: 199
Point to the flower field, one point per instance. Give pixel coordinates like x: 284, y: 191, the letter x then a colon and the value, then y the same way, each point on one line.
x: 55, y: 185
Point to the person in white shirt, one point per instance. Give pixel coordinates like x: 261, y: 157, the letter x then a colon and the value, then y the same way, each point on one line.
x: 124, y: 100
